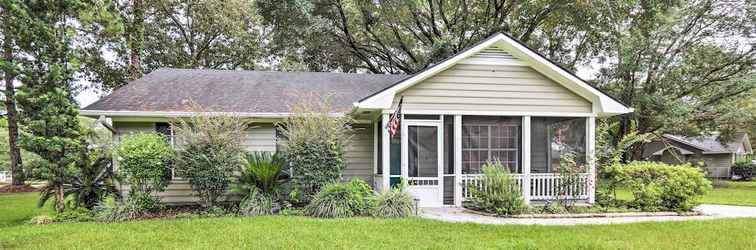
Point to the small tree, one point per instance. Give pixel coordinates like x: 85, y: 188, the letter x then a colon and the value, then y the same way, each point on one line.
x: 211, y: 152
x: 144, y: 159
x: 315, y: 146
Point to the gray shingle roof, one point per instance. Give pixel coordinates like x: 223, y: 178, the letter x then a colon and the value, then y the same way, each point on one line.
x: 711, y: 144
x: 240, y: 91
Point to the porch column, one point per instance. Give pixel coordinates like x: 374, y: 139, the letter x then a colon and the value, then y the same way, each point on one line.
x: 526, y: 159
x: 458, y: 160
x: 590, y: 158
x: 385, y: 153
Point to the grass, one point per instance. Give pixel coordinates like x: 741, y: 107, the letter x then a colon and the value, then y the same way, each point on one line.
x: 725, y: 192
x: 278, y: 232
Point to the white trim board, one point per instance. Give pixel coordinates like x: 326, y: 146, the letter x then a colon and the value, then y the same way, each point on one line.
x: 603, y: 104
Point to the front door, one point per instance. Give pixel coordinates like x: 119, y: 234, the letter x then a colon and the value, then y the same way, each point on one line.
x: 422, y: 160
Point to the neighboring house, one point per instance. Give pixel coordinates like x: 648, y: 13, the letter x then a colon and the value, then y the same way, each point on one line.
x: 497, y: 100
x: 718, y: 157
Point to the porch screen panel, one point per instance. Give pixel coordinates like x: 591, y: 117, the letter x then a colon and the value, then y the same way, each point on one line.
x: 490, y: 139
x: 554, y: 137
x: 395, y: 160
x: 423, y: 151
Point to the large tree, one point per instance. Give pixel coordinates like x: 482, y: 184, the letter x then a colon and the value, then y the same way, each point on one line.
x: 681, y: 64
x: 174, y: 33
x: 8, y: 67
x: 407, y: 36
x: 43, y: 33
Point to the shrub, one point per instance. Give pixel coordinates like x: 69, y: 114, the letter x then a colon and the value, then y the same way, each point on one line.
x: 340, y: 200
x: 499, y: 194
x: 73, y: 215
x: 315, y: 146
x: 144, y: 160
x: 745, y: 169
x: 92, y: 180
x: 258, y: 203
x: 396, y: 203
x: 112, y: 210
x: 263, y: 171
x: 658, y: 186
x: 211, y: 151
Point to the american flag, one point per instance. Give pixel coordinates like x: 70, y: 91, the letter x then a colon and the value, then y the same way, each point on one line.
x: 395, y: 120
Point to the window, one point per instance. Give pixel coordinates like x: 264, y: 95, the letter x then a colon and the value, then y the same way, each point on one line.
x: 490, y: 139
x: 553, y: 137
x: 165, y: 129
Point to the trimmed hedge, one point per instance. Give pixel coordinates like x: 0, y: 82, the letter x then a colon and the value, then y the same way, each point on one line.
x: 744, y: 169
x: 657, y: 186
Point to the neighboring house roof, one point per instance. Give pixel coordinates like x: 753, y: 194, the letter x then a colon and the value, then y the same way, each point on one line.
x: 604, y: 103
x: 712, y: 145
x: 169, y: 91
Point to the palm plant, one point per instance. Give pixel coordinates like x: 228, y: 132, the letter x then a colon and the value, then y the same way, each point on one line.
x: 93, y: 182
x: 263, y: 171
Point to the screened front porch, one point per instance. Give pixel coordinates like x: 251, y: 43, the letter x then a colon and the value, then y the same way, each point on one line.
x: 439, y: 155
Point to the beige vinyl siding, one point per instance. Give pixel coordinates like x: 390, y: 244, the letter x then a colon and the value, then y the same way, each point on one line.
x: 359, y: 155
x: 718, y: 165
x: 492, y: 87
x: 258, y: 138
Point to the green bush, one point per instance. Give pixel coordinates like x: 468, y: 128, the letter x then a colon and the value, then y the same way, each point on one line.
x: 340, y: 200
x: 263, y: 171
x: 658, y: 186
x: 112, y: 210
x: 144, y: 160
x: 396, y: 203
x: 315, y: 146
x: 745, y: 169
x: 73, y: 215
x: 258, y: 203
x: 500, y: 193
x: 211, y: 151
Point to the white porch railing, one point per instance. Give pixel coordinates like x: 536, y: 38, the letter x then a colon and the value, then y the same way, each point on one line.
x: 542, y: 186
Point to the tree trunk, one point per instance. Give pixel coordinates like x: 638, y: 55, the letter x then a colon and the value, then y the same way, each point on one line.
x: 60, y: 200
x: 136, y: 40
x: 16, y: 166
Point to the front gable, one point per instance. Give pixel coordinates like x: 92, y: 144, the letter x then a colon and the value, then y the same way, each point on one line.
x: 499, y: 76
x: 491, y: 80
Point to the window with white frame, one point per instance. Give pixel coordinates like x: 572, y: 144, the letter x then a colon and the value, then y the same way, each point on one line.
x: 166, y: 130
x: 487, y: 139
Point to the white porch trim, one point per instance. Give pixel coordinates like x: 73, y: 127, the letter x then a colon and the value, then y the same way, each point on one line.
x: 591, y: 157
x: 458, y: 160
x: 386, y: 141
x: 526, y: 159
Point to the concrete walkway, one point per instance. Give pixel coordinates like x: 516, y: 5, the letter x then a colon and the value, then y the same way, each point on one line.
x: 709, y: 212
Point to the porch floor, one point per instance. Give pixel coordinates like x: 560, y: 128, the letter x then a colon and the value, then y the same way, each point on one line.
x: 461, y: 216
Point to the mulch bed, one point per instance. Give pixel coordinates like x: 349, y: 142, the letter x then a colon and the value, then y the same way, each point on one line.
x: 18, y: 189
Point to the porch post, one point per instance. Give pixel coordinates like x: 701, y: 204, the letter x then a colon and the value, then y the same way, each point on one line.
x: 458, y: 160
x: 590, y: 158
x: 526, y: 159
x: 385, y: 153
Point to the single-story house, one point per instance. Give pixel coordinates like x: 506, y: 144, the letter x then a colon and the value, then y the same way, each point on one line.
x: 497, y: 100
x: 717, y: 156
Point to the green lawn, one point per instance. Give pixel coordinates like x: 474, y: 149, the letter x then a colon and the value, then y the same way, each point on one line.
x: 360, y: 233
x: 725, y: 192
